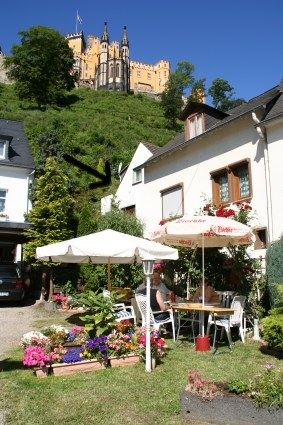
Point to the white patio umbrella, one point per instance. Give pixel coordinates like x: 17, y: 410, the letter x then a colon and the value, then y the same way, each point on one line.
x: 203, y: 231
x: 109, y: 246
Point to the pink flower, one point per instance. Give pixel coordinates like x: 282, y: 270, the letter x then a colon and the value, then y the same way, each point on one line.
x: 35, y: 356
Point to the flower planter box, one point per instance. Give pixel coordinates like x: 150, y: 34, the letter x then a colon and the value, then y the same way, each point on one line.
x: 228, y: 409
x: 42, y: 372
x: 60, y: 369
x: 124, y: 361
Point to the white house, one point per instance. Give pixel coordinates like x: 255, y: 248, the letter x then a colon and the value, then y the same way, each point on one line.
x: 221, y: 156
x: 16, y: 176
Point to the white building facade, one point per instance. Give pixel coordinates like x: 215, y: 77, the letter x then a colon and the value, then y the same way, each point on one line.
x: 222, y: 158
x: 16, y: 177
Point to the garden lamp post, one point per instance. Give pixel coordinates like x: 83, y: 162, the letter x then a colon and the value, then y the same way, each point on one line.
x: 148, y: 271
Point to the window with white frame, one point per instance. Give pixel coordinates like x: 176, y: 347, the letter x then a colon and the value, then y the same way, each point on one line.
x: 172, y: 202
x: 195, y: 125
x: 3, y: 194
x: 3, y: 149
x: 137, y: 176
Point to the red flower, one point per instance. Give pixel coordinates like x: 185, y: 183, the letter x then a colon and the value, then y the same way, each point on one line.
x: 222, y: 212
x: 162, y: 222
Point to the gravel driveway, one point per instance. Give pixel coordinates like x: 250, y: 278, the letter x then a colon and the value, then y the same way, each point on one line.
x: 14, y: 322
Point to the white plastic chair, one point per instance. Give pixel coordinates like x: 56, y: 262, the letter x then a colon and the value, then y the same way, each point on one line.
x: 227, y: 322
x: 155, y: 323
x: 225, y: 297
x: 122, y: 311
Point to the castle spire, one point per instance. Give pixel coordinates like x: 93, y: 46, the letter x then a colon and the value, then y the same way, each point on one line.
x: 105, y: 36
x: 125, y: 41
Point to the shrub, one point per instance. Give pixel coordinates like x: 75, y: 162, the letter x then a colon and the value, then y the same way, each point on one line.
x: 199, y: 387
x: 274, y: 269
x: 272, y: 329
x: 237, y: 386
x: 267, y: 388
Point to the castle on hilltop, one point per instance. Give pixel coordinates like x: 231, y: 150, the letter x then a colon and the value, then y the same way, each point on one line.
x: 102, y: 64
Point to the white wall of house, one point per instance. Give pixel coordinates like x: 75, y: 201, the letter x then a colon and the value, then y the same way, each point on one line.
x: 275, y: 154
x: 192, y: 166
x: 129, y: 194
x: 15, y: 181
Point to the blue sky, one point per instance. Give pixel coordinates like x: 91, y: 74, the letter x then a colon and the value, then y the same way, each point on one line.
x: 240, y: 41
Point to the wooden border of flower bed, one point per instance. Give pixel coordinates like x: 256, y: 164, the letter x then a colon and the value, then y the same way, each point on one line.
x: 124, y: 361
x: 60, y: 369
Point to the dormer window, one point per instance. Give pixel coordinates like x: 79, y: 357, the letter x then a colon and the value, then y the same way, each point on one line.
x: 195, y: 125
x: 3, y: 149
x: 137, y: 176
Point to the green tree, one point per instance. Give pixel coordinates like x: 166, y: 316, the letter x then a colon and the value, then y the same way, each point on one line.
x: 51, y: 212
x: 41, y: 66
x: 180, y: 82
x: 222, y: 94
x: 122, y: 275
x: 172, y: 103
x: 49, y: 144
x: 172, y: 96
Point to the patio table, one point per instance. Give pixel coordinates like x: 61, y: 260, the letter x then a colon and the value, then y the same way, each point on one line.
x: 215, y: 310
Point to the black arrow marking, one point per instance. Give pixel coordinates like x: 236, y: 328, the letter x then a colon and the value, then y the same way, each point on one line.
x: 105, y: 179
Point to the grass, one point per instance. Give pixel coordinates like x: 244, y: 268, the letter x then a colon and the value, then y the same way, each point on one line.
x: 125, y: 395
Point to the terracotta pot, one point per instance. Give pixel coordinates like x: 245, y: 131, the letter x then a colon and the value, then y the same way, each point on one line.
x: 60, y: 369
x: 124, y: 361
x: 42, y: 371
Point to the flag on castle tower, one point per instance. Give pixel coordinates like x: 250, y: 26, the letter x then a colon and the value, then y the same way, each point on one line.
x: 79, y: 19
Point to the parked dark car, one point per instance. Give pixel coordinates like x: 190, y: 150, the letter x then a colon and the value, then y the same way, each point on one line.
x: 12, y: 286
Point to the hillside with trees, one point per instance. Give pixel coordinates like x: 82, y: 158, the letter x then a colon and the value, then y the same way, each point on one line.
x: 93, y: 125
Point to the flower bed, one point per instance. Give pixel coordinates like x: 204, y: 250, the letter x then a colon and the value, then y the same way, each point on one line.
x: 61, y: 351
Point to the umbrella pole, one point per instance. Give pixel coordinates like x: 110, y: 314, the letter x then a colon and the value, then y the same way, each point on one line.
x: 109, y: 275
x: 202, y: 324
x: 147, y: 327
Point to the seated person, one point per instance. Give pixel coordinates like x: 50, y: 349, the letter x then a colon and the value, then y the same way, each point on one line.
x: 157, y: 303
x: 141, y: 287
x: 210, y: 296
x: 158, y: 284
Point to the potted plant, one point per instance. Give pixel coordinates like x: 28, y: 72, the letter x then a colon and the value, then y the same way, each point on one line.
x: 99, y: 318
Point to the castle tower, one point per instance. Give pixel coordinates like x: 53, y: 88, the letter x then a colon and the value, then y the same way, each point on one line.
x: 102, y: 71
x: 125, y: 54
x: 77, y: 44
